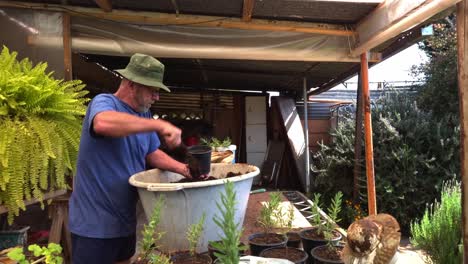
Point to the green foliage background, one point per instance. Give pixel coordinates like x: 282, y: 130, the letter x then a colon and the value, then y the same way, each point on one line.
x: 40, y: 126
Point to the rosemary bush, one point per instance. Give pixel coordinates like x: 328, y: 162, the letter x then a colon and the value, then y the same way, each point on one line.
x: 325, y: 228
x: 40, y: 125
x: 439, y: 232
x: 270, y: 213
x: 228, y: 247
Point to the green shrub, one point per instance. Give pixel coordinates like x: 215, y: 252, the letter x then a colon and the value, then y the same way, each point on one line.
x: 413, y: 154
x: 439, y: 232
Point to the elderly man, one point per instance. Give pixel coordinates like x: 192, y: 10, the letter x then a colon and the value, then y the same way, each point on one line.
x: 119, y: 138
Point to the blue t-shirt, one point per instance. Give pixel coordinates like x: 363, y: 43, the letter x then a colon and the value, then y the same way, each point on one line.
x: 103, y: 203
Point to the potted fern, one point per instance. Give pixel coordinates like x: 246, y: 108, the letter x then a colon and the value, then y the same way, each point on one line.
x: 40, y: 125
x: 268, y: 219
x: 150, y: 238
x: 228, y: 249
x: 323, y: 232
x: 193, y: 236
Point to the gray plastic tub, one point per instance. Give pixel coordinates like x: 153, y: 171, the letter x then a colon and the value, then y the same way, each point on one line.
x: 186, y: 202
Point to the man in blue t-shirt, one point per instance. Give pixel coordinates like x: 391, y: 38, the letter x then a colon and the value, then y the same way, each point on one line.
x: 119, y: 138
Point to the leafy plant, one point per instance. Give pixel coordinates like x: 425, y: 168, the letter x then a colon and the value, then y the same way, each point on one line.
x: 270, y: 212
x: 439, y: 232
x: 325, y: 228
x: 48, y: 255
x: 151, y: 237
x: 215, y: 142
x: 40, y: 125
x: 193, y: 234
x: 228, y: 247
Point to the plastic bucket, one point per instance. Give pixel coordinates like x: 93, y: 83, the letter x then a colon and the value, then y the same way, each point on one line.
x: 186, y: 202
x: 203, y: 155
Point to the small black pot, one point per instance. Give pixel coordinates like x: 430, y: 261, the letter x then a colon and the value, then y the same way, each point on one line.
x: 294, y: 240
x: 256, y: 248
x: 308, y: 244
x: 184, y: 256
x: 283, y: 252
x: 319, y: 260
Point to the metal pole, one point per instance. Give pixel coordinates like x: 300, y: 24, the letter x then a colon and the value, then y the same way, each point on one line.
x: 372, y: 204
x: 306, y: 137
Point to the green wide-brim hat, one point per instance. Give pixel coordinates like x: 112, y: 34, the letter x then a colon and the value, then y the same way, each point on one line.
x: 146, y: 70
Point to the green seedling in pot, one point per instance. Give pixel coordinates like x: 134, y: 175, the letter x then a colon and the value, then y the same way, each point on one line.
x: 194, y: 233
x: 151, y: 237
x: 270, y: 213
x: 48, y: 255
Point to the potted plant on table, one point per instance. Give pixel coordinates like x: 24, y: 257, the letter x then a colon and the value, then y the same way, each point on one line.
x: 228, y: 249
x: 40, y: 126
x: 321, y: 240
x: 269, y: 215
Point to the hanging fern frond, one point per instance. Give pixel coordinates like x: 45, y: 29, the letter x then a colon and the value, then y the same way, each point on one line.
x: 40, y: 125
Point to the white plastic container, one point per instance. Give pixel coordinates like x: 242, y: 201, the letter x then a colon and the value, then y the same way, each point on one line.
x: 186, y: 202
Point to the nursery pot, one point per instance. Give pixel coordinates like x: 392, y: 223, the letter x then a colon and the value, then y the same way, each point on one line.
x: 212, y: 250
x: 185, y: 257
x: 203, y: 155
x: 319, y: 258
x: 294, y: 240
x: 268, y: 240
x: 186, y: 202
x: 308, y: 243
x: 294, y: 255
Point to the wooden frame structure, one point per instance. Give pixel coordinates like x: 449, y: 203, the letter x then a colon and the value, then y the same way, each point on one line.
x: 387, y: 21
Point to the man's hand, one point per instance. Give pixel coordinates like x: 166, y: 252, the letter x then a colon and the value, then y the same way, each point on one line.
x: 172, y: 135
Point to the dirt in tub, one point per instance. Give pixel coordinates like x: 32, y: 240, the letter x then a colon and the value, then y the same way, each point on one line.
x: 209, y: 178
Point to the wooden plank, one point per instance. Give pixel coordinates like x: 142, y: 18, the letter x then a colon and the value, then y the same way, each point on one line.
x: 67, y: 54
x: 247, y: 10
x: 156, y: 18
x: 393, y: 17
x: 47, y: 196
x: 105, y: 5
x: 462, y: 37
x: 372, y: 204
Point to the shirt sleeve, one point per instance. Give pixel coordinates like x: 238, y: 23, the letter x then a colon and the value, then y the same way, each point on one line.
x: 99, y: 104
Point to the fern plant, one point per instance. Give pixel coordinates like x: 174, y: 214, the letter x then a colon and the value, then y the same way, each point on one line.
x: 40, y: 125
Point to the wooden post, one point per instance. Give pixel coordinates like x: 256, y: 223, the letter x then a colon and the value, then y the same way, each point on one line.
x: 357, y: 141
x: 462, y: 37
x: 67, y: 60
x: 372, y: 204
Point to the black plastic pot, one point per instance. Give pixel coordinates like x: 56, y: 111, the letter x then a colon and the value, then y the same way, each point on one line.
x: 256, y: 248
x: 283, y: 252
x: 184, y: 257
x: 294, y: 240
x: 318, y: 260
x: 308, y: 243
x: 203, y: 155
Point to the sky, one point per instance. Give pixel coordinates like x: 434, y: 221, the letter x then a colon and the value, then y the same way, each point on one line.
x: 396, y: 68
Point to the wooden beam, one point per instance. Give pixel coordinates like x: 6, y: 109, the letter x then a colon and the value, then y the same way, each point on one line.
x: 155, y: 18
x: 393, y: 17
x: 247, y: 10
x: 371, y: 200
x: 67, y: 53
x: 462, y: 43
x: 105, y: 5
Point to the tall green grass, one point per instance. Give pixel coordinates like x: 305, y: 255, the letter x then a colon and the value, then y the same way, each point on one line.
x: 439, y: 232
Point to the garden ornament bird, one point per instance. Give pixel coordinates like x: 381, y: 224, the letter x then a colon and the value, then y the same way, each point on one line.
x: 373, y: 239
